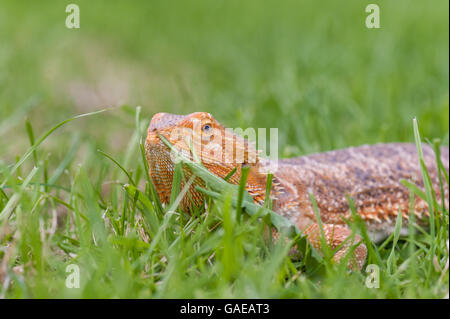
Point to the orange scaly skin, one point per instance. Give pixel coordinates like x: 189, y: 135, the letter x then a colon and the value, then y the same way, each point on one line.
x: 370, y: 174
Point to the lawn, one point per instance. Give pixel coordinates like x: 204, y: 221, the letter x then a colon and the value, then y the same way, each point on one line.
x: 78, y: 193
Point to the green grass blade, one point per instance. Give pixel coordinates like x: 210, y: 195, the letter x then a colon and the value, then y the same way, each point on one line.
x: 242, y: 186
x: 30, y: 133
x: 14, y: 199
x: 47, y: 134
x: 130, y: 178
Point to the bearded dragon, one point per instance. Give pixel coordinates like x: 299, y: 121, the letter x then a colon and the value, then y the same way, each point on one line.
x: 369, y: 174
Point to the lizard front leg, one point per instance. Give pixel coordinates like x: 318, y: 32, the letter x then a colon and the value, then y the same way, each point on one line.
x: 336, y: 234
x: 339, y: 240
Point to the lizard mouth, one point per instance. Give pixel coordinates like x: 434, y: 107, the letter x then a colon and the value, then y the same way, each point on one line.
x: 161, y: 160
x: 160, y: 165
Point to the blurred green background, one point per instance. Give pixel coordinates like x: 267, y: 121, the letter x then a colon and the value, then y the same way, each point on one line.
x: 310, y: 68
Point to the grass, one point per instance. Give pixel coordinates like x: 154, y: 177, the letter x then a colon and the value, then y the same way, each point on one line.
x: 127, y: 245
x: 77, y: 191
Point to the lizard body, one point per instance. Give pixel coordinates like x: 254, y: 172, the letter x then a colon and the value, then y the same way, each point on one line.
x: 370, y: 174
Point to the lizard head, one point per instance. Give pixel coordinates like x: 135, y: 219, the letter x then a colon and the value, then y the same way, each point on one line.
x: 199, y: 137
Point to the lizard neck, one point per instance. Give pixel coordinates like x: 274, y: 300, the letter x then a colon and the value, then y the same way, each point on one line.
x: 257, y: 181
